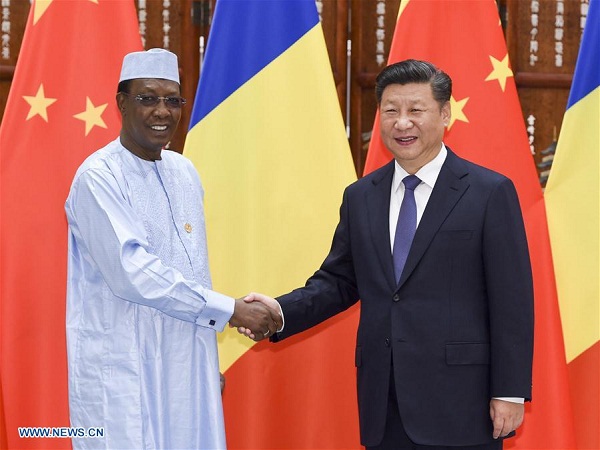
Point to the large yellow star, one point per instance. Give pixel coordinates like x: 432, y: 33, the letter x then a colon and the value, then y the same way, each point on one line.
x: 92, y: 116
x: 39, y: 104
x: 456, y: 107
x: 501, y: 71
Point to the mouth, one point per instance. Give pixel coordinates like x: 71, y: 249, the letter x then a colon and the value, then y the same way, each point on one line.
x: 159, y: 128
x: 405, y: 140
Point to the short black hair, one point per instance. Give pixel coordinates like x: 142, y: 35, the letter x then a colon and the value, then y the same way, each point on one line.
x: 415, y: 71
x: 124, y: 86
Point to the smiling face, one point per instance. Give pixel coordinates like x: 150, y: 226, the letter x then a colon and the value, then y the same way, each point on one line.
x: 146, y: 130
x: 412, y: 124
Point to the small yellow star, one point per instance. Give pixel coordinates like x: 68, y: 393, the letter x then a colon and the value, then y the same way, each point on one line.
x: 501, y: 71
x: 39, y: 104
x: 92, y: 116
x: 456, y: 107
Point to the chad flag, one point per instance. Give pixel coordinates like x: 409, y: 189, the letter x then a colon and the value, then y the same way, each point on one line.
x: 268, y: 140
x: 573, y: 201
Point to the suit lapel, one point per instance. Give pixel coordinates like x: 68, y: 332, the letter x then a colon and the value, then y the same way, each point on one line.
x: 378, y: 208
x: 449, y: 188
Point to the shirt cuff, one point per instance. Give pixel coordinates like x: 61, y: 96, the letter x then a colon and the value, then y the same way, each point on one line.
x: 282, y: 318
x: 511, y: 399
x: 217, y: 311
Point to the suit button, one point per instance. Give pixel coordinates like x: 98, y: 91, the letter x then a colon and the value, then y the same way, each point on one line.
x: 387, y: 342
x: 396, y: 298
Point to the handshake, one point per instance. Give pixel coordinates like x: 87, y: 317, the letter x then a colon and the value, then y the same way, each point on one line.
x: 257, y: 316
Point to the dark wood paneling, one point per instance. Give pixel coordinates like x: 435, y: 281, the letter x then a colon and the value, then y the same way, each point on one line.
x: 543, y: 38
x: 370, y: 50
x: 15, y: 18
x: 166, y: 21
x: 334, y: 20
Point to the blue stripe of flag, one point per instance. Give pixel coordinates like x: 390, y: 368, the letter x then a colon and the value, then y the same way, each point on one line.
x: 245, y: 36
x: 587, y: 69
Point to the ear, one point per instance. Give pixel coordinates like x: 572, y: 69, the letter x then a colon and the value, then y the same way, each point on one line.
x: 121, y: 99
x: 446, y: 114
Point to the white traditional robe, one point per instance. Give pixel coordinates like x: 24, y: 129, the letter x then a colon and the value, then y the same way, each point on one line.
x: 141, y: 315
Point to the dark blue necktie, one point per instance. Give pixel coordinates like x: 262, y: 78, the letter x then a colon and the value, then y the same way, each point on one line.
x: 407, y: 224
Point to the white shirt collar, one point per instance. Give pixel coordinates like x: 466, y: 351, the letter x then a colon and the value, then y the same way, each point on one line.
x: 428, y: 174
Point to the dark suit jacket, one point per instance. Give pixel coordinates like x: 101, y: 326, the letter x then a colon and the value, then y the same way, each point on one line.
x: 458, y: 325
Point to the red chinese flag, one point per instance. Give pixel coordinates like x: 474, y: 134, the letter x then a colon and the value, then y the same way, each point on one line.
x: 465, y: 39
x: 61, y: 108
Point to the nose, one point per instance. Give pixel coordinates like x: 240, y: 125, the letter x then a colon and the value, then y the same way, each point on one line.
x: 403, y: 122
x: 161, y: 110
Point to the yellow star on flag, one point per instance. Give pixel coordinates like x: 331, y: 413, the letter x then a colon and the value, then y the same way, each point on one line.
x: 92, y: 116
x: 456, y: 107
x: 39, y: 104
x: 40, y: 7
x: 501, y: 71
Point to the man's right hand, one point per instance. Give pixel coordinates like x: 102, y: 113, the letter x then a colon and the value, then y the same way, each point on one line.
x: 259, y: 319
x: 270, y: 303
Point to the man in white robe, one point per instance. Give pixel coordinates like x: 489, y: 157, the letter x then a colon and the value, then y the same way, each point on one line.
x: 141, y: 315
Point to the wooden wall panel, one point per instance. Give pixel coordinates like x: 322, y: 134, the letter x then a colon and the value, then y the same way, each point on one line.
x: 13, y: 20
x: 167, y: 24
x: 334, y: 20
x: 372, y: 25
x: 543, y: 37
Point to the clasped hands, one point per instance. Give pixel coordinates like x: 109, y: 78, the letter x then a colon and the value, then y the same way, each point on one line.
x: 256, y: 316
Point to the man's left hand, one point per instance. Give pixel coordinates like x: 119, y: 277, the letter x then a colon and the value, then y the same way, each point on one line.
x: 506, y: 416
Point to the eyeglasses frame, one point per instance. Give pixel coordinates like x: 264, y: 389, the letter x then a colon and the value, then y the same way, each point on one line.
x: 139, y: 97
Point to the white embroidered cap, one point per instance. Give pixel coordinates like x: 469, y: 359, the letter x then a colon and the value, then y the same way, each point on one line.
x: 153, y: 63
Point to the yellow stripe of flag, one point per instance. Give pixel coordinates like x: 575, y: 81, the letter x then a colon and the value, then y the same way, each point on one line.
x: 573, y: 200
x: 274, y: 160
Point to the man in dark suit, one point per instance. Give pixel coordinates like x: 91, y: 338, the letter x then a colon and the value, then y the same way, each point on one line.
x: 445, y: 339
